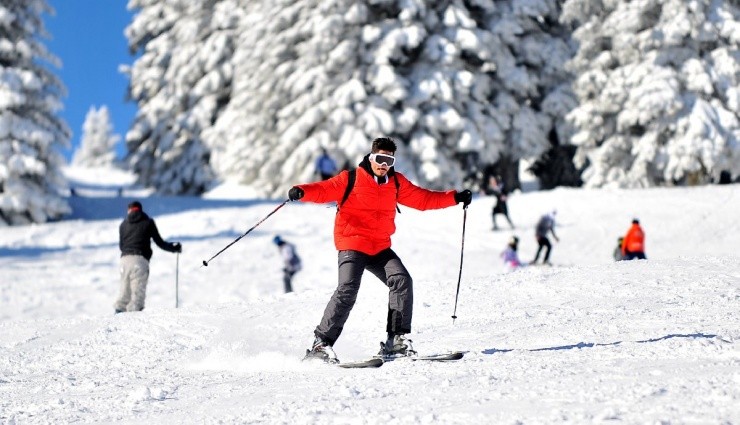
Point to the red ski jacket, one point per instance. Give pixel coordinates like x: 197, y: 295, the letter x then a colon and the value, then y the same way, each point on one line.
x: 366, y: 220
x: 634, y: 240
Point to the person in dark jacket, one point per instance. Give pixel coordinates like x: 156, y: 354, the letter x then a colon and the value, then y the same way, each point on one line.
x: 362, y: 235
x: 135, y: 233
x: 326, y: 167
x: 496, y: 188
x: 545, y: 226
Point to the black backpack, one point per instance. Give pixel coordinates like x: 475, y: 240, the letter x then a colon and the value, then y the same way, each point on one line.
x: 351, y: 184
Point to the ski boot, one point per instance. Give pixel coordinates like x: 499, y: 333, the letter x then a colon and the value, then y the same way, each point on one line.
x: 396, y: 346
x: 321, y: 351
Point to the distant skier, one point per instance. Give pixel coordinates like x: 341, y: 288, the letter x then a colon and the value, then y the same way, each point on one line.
x: 326, y: 167
x: 633, y: 245
x: 363, y: 227
x: 135, y: 233
x: 497, y: 188
x: 617, y: 254
x: 291, y: 261
x: 545, y: 226
x: 510, y: 255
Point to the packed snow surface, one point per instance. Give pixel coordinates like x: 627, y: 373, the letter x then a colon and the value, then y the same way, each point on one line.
x: 587, y: 340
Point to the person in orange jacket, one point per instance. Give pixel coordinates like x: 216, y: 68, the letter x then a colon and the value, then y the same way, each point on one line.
x: 633, y: 244
x: 363, y: 227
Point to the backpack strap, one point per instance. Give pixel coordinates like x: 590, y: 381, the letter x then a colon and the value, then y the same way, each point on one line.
x: 350, y: 184
x: 398, y: 186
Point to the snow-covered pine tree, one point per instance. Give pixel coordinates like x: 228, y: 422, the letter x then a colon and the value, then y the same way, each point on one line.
x: 531, y: 84
x: 658, y: 88
x: 98, y: 142
x: 31, y: 135
x: 180, y: 82
x: 439, y: 77
x: 271, y: 130
x: 297, y: 86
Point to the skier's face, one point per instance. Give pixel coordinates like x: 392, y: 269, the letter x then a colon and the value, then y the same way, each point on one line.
x: 381, y: 169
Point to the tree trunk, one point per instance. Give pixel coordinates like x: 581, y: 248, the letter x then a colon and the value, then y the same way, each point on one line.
x: 555, y: 168
x: 507, y: 169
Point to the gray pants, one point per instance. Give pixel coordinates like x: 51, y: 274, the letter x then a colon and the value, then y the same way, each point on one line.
x: 389, y: 269
x: 288, y: 279
x: 134, y: 276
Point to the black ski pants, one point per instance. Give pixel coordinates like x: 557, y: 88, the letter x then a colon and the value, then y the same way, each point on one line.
x: 543, y: 242
x: 501, y: 208
x: 637, y: 255
x: 287, y: 280
x: 387, y: 267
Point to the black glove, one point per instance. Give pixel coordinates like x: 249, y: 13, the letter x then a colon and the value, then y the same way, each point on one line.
x: 177, y: 246
x: 465, y: 197
x: 295, y: 193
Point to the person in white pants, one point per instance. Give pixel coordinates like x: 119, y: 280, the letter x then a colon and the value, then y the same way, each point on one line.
x: 135, y: 235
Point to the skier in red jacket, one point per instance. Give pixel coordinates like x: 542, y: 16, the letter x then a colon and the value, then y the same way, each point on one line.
x: 633, y: 244
x: 363, y: 227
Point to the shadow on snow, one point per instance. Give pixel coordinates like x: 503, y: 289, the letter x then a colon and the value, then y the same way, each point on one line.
x: 30, y: 251
x: 107, y: 208
x: 598, y: 344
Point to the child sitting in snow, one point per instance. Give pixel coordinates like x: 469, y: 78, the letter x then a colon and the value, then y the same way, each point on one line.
x: 510, y: 256
x: 617, y: 254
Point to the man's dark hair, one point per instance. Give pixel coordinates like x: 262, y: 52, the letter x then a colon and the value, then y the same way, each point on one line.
x: 383, y: 144
x: 134, y: 204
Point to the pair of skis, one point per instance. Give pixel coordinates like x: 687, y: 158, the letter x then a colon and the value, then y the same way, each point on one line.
x: 379, y: 361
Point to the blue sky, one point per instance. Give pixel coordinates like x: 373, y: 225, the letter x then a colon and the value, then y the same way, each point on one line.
x: 87, y: 35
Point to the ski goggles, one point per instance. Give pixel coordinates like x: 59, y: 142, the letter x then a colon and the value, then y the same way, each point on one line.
x: 383, y: 159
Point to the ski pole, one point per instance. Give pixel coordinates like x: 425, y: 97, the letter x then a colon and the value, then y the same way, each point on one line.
x: 177, y: 281
x: 205, y: 262
x: 459, y: 275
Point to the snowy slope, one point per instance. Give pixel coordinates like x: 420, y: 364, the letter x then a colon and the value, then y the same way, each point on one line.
x: 585, y: 341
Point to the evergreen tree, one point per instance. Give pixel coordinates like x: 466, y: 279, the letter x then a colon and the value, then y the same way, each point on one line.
x: 31, y: 135
x: 180, y: 82
x: 98, y: 143
x: 440, y: 77
x: 658, y: 88
x: 532, y: 87
x: 261, y: 138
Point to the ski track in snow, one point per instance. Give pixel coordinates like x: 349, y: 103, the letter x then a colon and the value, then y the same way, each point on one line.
x: 589, y: 341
